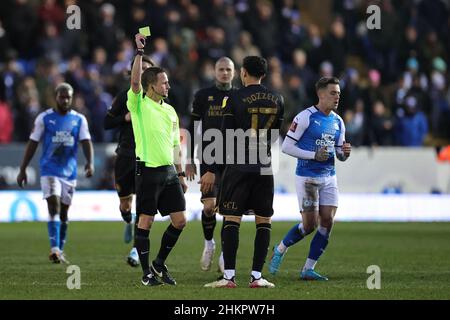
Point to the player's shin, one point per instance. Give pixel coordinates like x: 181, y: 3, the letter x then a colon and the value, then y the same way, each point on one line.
x: 126, y: 215
x: 317, y: 247
x: 294, y: 235
x: 168, y: 241
x: 230, y: 244
x: 63, y: 234
x: 142, y: 242
x: 262, y: 241
x: 53, y: 228
x: 208, y: 225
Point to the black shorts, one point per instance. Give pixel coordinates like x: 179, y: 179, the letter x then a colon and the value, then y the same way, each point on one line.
x: 215, y: 191
x: 124, y: 175
x: 242, y: 191
x: 159, y: 189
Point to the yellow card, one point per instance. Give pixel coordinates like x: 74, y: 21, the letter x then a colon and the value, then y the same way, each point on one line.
x: 145, y: 31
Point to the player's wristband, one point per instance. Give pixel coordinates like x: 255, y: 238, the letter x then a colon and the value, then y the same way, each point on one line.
x: 181, y: 174
x: 140, y: 52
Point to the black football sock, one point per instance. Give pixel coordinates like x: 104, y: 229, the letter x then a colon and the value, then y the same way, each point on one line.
x: 168, y: 241
x: 230, y: 243
x: 135, y: 232
x: 142, y: 243
x: 262, y: 241
x: 208, y: 225
x: 126, y: 215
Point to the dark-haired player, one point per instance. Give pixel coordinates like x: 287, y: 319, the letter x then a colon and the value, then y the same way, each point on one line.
x: 60, y: 129
x: 315, y: 137
x: 247, y: 181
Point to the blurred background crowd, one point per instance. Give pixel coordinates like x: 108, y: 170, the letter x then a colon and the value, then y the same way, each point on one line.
x: 394, y: 81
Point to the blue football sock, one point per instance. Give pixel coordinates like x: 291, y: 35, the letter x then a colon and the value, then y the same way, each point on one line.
x: 53, y: 233
x: 62, y: 235
x: 293, y: 236
x: 318, y: 244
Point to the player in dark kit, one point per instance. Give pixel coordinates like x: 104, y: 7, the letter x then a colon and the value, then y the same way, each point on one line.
x: 250, y: 114
x: 207, y: 110
x: 118, y: 116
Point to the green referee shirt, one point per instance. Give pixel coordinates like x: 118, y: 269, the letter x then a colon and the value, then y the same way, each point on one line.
x: 156, y: 129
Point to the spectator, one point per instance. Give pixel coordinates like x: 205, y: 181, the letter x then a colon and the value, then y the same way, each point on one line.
x: 51, y: 44
x: 6, y: 123
x: 335, y: 46
x: 398, y: 64
x: 231, y: 25
x: 355, y: 123
x: 374, y: 92
x: 21, y: 25
x: 263, y: 27
x: 108, y: 33
x: 50, y: 12
x: 301, y: 68
x: 244, y: 48
x: 411, y: 125
x: 5, y: 45
x: 382, y: 126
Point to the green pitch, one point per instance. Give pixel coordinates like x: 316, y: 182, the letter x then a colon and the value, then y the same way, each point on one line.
x: 414, y: 259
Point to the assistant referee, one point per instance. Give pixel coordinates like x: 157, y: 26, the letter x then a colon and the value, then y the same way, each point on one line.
x: 160, y: 182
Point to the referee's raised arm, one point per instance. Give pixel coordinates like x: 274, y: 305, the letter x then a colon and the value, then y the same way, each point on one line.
x: 136, y: 70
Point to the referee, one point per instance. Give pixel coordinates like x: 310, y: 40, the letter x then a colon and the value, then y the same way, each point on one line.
x: 160, y: 184
x: 118, y: 116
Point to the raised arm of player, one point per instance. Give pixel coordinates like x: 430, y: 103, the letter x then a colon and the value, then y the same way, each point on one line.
x: 137, y: 65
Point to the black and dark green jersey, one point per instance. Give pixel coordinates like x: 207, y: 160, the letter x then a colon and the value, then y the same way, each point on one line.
x: 254, y: 110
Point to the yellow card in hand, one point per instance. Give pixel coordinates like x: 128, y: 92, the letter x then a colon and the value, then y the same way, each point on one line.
x: 145, y: 31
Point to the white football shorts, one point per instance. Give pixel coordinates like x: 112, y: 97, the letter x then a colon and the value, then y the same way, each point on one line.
x: 313, y: 192
x: 56, y: 186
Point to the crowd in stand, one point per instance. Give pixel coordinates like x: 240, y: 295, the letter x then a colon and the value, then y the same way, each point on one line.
x: 394, y: 81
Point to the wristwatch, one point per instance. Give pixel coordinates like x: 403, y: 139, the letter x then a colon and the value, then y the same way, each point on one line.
x: 181, y: 174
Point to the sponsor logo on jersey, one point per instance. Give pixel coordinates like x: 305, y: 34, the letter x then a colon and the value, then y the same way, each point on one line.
x: 224, y: 102
x: 327, y: 140
x: 63, y: 137
x: 293, y: 126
